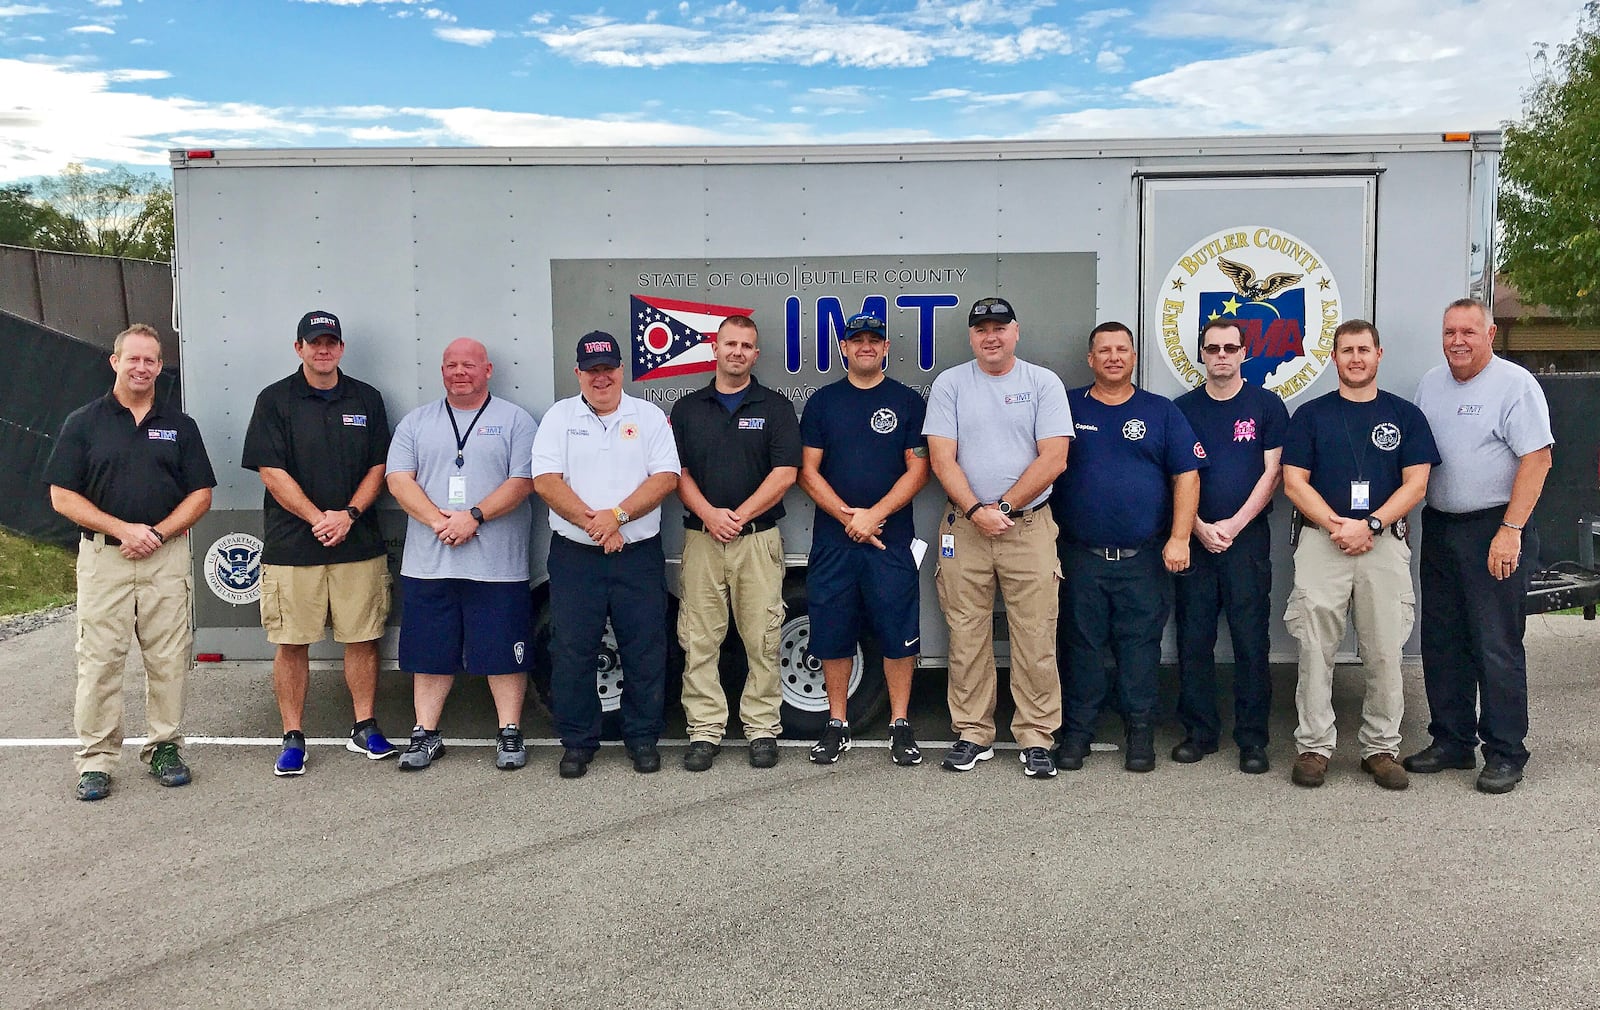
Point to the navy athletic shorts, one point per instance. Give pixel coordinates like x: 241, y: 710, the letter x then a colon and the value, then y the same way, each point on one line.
x: 450, y: 626
x: 855, y: 586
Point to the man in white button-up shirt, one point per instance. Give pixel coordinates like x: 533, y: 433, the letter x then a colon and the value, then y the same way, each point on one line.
x: 603, y: 461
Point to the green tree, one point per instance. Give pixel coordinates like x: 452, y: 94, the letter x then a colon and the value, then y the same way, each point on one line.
x: 112, y: 213
x: 1550, y: 179
x: 22, y: 218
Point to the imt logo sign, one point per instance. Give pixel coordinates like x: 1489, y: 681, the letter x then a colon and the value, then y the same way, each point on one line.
x: 1273, y: 286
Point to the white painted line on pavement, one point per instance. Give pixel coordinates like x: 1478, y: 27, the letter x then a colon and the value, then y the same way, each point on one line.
x: 332, y: 741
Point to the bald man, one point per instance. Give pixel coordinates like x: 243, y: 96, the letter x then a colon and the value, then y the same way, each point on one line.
x: 462, y: 468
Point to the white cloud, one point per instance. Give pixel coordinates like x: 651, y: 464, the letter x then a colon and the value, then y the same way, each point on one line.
x: 21, y: 10
x: 435, y: 14
x: 359, y: 3
x: 465, y: 36
x: 816, y: 33
x: 108, y: 3
x: 1108, y: 61
x: 1100, y: 18
x: 980, y: 100
x: 92, y: 30
x: 140, y: 42
x: 124, y: 76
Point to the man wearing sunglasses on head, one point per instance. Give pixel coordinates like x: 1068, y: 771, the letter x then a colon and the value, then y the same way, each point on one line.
x: 998, y: 431
x: 1241, y: 426
x: 863, y: 459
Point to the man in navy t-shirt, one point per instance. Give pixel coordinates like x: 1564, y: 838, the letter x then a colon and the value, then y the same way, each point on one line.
x: 1121, y: 534
x: 1241, y: 427
x: 1355, y: 463
x: 863, y: 459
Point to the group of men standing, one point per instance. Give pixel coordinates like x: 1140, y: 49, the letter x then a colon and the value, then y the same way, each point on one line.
x: 1162, y: 504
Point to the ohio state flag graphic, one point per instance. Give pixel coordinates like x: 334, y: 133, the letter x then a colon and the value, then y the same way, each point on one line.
x: 672, y: 337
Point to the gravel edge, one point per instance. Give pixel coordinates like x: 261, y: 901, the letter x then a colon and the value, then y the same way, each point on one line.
x: 21, y: 624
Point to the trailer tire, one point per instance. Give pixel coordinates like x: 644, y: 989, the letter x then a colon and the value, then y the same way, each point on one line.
x: 610, y: 678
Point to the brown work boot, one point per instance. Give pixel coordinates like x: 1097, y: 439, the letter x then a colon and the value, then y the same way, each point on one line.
x: 1385, y: 771
x: 1309, y: 770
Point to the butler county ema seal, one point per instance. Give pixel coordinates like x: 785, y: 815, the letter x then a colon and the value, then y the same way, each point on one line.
x: 1274, y: 286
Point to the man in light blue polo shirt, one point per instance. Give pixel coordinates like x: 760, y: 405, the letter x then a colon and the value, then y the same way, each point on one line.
x: 603, y: 461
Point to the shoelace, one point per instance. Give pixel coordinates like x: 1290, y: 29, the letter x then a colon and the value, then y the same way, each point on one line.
x: 510, y: 742
x: 419, y: 742
x: 900, y: 736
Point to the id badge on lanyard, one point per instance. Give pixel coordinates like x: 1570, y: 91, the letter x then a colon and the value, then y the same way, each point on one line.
x: 1360, y: 495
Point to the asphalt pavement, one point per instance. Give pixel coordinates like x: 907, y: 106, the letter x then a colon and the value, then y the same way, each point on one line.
x: 862, y: 884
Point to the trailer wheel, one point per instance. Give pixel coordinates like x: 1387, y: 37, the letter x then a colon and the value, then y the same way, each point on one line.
x: 610, y: 678
x: 805, y: 697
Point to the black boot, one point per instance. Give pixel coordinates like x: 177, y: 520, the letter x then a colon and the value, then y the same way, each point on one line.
x: 1141, y: 755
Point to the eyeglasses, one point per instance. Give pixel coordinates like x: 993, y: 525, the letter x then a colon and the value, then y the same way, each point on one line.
x: 857, y: 324
x: 990, y: 306
x: 1222, y: 348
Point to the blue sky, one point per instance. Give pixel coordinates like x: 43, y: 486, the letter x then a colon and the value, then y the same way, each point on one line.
x: 109, y: 81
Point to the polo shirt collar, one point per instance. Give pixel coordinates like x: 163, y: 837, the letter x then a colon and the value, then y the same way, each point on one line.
x: 752, y: 393
x: 114, y: 405
x: 301, y: 387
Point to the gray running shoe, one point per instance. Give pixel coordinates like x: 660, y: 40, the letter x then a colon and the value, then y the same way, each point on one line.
x: 425, y: 746
x: 511, y: 753
x: 964, y: 755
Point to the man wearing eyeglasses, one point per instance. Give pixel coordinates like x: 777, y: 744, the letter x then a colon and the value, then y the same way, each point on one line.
x: 1126, y: 506
x: 998, y: 431
x: 863, y: 459
x: 1241, y: 426
x: 1355, y: 463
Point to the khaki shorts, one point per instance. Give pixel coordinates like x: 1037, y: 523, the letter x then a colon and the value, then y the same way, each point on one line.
x: 297, y: 601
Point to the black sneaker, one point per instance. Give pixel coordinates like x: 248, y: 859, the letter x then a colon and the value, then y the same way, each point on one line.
x: 1037, y: 763
x: 700, y: 755
x: 93, y: 786
x: 426, y: 745
x: 646, y: 757
x: 574, y: 762
x: 166, y: 764
x: 764, y: 752
x: 1498, y: 776
x: 1070, y: 754
x: 964, y: 756
x: 510, y: 752
x: 903, y: 749
x: 835, y: 741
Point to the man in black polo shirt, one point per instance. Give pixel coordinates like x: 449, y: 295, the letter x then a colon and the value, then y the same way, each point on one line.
x: 739, y: 443
x: 319, y: 440
x: 134, y: 476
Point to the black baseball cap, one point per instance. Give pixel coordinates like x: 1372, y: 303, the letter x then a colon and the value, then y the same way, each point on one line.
x: 317, y: 322
x: 998, y: 309
x: 864, y: 322
x: 596, y: 348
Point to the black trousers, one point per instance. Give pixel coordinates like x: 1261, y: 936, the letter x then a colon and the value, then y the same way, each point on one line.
x: 1236, y: 583
x: 1473, y: 663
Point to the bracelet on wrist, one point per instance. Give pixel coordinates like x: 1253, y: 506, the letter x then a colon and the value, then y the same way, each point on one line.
x: 974, y: 509
x: 1511, y: 526
x: 158, y: 534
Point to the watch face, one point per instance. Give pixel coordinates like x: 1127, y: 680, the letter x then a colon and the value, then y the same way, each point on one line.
x: 1005, y: 508
x: 1374, y: 523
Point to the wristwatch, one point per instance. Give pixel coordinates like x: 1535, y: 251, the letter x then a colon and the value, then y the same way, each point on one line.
x: 476, y: 513
x: 1375, y: 524
x: 622, y: 517
x: 355, y: 513
x: 1005, y: 507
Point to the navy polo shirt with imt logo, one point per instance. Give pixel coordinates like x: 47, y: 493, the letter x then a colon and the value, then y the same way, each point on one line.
x: 863, y: 435
x: 1115, y: 492
x: 1340, y: 441
x: 326, y: 440
x: 136, y: 472
x: 1236, y: 432
x: 729, y: 455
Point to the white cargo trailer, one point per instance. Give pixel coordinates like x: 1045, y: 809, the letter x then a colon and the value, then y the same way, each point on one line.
x: 527, y: 248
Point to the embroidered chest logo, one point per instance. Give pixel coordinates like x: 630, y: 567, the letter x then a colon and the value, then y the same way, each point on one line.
x: 630, y: 430
x: 753, y: 423
x: 1244, y: 430
x: 162, y: 434
x: 1133, y: 430
x: 884, y: 421
x: 1012, y: 398
x: 355, y: 420
x: 1470, y: 409
x: 491, y: 429
x: 1386, y: 437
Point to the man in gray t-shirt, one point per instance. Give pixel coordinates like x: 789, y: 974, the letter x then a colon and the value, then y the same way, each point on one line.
x: 998, y: 430
x: 1492, y: 426
x: 462, y: 468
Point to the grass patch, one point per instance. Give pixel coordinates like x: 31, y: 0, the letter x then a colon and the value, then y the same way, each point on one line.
x: 34, y: 576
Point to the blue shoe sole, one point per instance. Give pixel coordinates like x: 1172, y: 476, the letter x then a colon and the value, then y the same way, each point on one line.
x: 355, y: 748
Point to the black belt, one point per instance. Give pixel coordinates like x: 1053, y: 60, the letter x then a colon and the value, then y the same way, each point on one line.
x: 753, y: 526
x: 110, y: 540
x: 1497, y: 513
x: 1015, y: 513
x: 595, y: 548
x: 1111, y: 553
x: 1401, y: 528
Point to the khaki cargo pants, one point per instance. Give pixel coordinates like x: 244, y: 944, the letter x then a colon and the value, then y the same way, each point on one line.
x: 747, y: 573
x: 118, y: 600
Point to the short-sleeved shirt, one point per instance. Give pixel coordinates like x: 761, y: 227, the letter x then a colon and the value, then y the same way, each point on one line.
x: 1343, y: 441
x: 1116, y: 489
x: 729, y: 455
x: 1483, y: 427
x: 136, y: 472
x: 326, y: 440
x: 997, y: 422
x: 605, y: 459
x: 864, y: 435
x: 499, y: 446
x: 1237, y: 433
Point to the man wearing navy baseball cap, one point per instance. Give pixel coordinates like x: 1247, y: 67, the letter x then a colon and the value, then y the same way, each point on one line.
x: 602, y: 462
